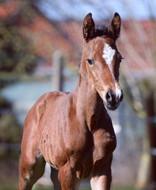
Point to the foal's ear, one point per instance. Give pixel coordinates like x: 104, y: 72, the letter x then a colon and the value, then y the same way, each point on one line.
x: 88, y: 27
x: 115, y: 26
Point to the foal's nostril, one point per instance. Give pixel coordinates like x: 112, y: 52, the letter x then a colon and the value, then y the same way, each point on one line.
x: 109, y: 96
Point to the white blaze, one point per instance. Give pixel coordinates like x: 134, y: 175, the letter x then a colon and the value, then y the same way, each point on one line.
x: 118, y: 90
x: 108, y: 54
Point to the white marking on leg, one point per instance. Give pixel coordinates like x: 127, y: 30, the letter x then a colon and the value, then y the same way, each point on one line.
x: 108, y: 54
x: 99, y: 182
x: 95, y: 184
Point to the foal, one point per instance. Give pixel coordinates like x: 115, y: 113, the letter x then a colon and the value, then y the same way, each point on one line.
x: 73, y: 131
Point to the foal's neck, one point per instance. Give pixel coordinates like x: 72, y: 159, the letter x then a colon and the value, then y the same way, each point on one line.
x: 89, y: 103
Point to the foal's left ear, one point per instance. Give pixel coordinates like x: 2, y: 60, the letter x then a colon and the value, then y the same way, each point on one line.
x: 88, y: 27
x: 115, y: 26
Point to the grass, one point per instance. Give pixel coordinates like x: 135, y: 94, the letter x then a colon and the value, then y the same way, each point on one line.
x: 12, y: 183
x: 123, y: 188
x: 114, y: 188
x: 50, y: 188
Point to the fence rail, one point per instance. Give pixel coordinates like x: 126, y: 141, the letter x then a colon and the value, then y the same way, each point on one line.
x: 9, y: 146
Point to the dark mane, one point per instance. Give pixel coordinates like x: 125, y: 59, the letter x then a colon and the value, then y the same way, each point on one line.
x: 100, y: 30
x: 103, y: 31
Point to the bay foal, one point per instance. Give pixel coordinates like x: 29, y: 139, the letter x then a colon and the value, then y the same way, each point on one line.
x: 73, y: 131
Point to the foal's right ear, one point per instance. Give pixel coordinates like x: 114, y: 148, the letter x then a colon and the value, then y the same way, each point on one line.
x: 88, y: 27
x: 116, y: 25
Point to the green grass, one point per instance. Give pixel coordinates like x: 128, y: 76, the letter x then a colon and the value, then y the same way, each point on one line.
x: 50, y: 188
x: 113, y: 188
x: 123, y: 188
x: 12, y: 185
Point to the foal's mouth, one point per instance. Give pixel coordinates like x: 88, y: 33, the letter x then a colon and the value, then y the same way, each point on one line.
x: 111, y: 107
x: 112, y: 100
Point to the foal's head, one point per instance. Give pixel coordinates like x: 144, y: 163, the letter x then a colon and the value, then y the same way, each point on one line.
x: 103, y: 59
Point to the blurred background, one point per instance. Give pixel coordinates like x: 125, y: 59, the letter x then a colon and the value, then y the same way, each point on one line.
x: 40, y: 48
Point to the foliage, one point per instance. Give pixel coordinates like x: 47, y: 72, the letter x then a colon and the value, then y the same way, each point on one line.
x: 9, y: 130
x: 4, y: 103
x: 17, y: 54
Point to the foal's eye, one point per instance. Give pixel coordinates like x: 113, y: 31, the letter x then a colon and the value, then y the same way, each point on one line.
x: 91, y: 62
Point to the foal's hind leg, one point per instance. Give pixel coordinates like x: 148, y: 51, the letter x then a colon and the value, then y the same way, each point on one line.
x: 54, y: 178
x: 30, y: 171
x: 32, y: 163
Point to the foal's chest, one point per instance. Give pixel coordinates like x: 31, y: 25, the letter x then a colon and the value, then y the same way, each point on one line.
x: 98, y: 148
x: 77, y: 145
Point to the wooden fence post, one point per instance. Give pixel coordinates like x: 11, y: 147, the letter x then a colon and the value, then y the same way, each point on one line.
x: 151, y: 130
x: 57, y: 84
x: 58, y: 71
x: 147, y: 172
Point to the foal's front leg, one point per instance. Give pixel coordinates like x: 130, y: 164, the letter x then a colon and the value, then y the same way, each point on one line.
x: 102, y: 177
x: 67, y: 177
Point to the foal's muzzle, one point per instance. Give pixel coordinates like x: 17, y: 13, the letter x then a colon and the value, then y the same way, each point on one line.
x: 113, y: 101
